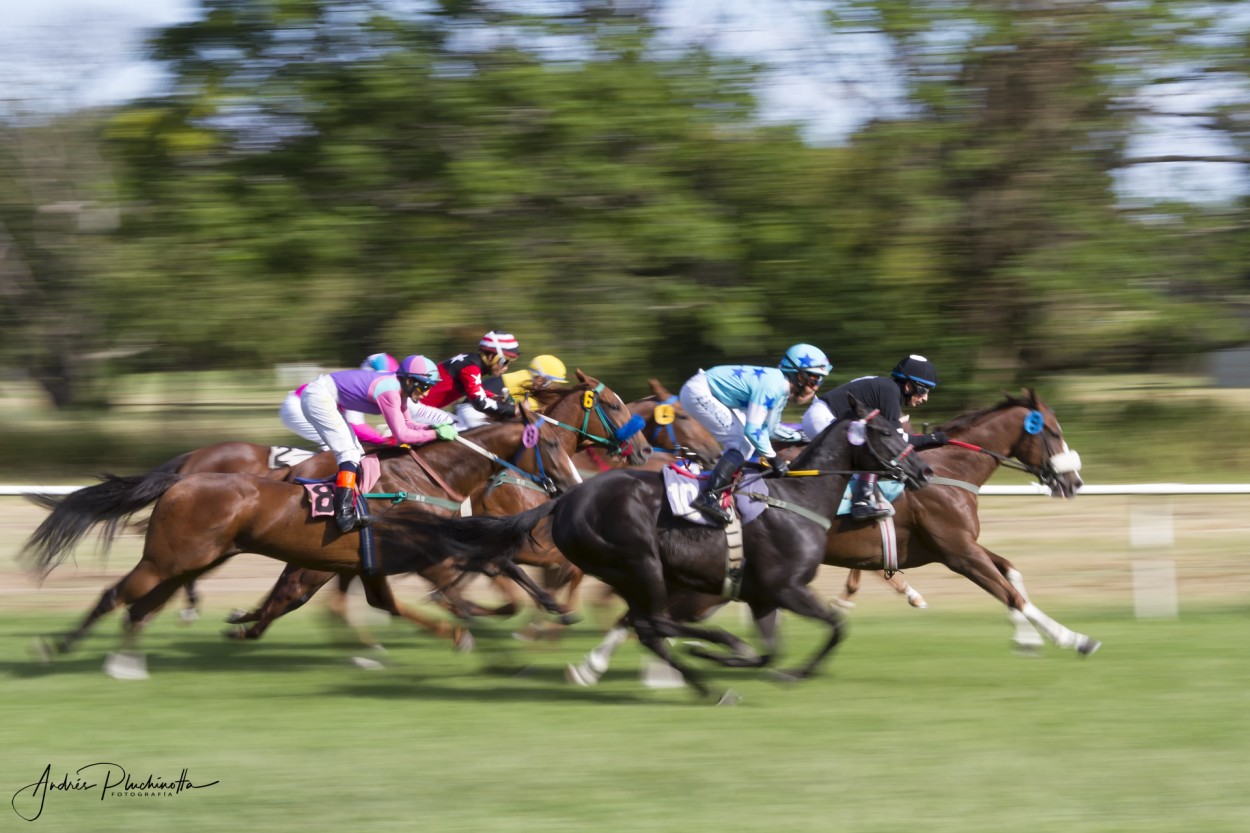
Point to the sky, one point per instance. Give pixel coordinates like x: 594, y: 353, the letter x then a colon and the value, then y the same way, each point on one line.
x: 98, y: 42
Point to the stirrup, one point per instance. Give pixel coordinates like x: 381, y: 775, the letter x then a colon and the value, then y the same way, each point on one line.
x: 868, y: 511
x: 709, y: 506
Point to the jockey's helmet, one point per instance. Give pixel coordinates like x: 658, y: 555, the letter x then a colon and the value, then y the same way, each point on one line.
x: 500, y: 344
x: 381, y: 362
x: 420, y: 369
x: 549, y: 367
x: 918, y: 370
x: 805, y: 364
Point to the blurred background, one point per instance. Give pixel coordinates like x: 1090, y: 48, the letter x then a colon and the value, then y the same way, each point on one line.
x: 202, y: 203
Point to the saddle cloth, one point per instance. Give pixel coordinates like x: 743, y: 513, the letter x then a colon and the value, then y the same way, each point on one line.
x: 321, y: 492
x: 281, y: 456
x: 682, y: 486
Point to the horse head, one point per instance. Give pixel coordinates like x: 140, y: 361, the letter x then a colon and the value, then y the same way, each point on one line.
x: 597, y: 416
x: 1041, y: 447
x: 548, y: 456
x: 868, y: 443
x: 671, y: 429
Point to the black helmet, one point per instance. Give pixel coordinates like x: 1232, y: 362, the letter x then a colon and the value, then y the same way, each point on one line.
x: 916, y: 369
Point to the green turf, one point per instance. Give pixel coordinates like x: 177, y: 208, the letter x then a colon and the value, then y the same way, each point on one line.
x: 921, y: 722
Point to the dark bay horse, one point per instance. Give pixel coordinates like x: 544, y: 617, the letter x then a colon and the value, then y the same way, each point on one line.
x: 199, y: 521
x: 939, y: 524
x: 619, y: 528
x: 587, y: 413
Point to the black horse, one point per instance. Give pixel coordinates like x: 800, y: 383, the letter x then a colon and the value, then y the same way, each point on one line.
x: 619, y: 528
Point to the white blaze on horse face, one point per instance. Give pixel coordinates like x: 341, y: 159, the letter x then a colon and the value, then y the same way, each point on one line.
x: 1066, y: 461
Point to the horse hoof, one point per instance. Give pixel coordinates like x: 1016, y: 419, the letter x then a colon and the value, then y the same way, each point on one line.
x: 845, y: 604
x: 918, y: 602
x: 125, y: 665
x: 188, y: 615
x: 568, y: 618
x: 729, y: 698
x: 236, y: 616
x: 1088, y: 646
x: 367, y: 664
x: 579, y: 676
x: 464, y: 642
x: 781, y: 675
x: 238, y: 632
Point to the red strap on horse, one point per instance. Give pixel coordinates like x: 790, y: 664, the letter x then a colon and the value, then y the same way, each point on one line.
x: 963, y: 444
x: 598, y: 460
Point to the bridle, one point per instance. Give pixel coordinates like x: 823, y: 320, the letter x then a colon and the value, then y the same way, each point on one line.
x: 616, y: 441
x: 1052, y: 466
x: 892, y: 466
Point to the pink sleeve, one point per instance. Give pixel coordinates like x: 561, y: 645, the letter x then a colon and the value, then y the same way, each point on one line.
x: 365, y: 433
x: 403, y: 430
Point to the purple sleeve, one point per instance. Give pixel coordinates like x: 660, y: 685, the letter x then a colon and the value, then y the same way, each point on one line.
x: 403, y: 430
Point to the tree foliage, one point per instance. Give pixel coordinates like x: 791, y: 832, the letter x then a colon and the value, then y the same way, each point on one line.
x: 326, y: 179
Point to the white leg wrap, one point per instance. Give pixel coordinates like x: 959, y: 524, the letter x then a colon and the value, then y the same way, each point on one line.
x: 1055, y: 632
x: 1026, y: 635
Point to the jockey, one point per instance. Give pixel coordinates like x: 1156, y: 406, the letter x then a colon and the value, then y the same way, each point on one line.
x: 390, y: 394
x: 741, y: 405
x: 907, y: 386
x: 517, y: 384
x: 461, y: 376
x: 292, y: 415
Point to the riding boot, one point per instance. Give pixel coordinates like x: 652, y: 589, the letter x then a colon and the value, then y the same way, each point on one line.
x: 863, y: 501
x: 708, y: 501
x: 347, y: 512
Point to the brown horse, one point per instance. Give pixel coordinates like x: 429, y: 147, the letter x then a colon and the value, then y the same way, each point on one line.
x: 586, y: 413
x: 199, y: 521
x: 939, y: 524
x: 671, y: 431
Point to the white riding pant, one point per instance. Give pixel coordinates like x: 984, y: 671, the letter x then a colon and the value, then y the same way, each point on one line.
x: 468, y: 417
x: 723, y: 422
x: 292, y: 414
x: 817, y: 418
x: 320, y: 405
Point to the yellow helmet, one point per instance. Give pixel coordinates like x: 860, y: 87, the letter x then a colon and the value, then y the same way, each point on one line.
x: 548, y: 366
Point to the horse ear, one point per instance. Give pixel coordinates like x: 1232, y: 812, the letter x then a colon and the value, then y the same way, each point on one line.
x: 861, y: 410
x: 581, y: 377
x: 659, y: 390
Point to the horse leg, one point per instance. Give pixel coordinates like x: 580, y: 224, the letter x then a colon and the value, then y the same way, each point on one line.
x: 129, y: 663
x: 378, y: 594
x: 192, y: 611
x: 1026, y: 641
x: 512, y: 570
x: 978, y: 565
x: 591, y: 669
x: 853, y: 578
x: 804, y: 602
x: 899, y: 583
x: 292, y: 591
x: 135, y: 584
x: 652, y: 633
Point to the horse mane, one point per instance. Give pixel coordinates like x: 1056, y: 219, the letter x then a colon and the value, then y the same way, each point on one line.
x: 1028, y: 400
x: 815, y: 446
x: 545, y: 392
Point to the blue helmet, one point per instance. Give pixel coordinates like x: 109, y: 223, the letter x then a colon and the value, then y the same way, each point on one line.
x: 805, y: 364
x: 916, y: 369
x: 419, y: 368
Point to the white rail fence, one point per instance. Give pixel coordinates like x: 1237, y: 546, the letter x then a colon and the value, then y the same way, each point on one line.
x: 1150, y: 531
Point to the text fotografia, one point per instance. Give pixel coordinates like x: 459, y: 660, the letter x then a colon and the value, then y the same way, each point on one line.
x: 108, y: 780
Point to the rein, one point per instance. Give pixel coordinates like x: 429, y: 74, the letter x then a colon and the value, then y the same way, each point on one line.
x: 590, y: 404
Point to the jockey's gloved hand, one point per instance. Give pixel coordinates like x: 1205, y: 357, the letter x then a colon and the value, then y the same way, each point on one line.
x: 507, y: 409
x: 779, y: 466
x: 934, y: 440
x: 446, y: 431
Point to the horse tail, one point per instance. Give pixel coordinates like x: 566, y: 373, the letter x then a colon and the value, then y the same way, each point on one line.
x: 480, y: 540
x: 109, y: 502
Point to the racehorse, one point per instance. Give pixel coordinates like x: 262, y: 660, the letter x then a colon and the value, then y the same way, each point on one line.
x: 619, y: 527
x: 588, y: 412
x: 671, y: 431
x: 201, y: 520
x: 939, y: 524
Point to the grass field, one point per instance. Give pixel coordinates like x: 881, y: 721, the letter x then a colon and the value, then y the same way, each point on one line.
x: 922, y: 721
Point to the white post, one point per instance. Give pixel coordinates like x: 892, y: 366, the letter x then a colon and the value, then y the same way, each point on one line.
x: 1154, y: 576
